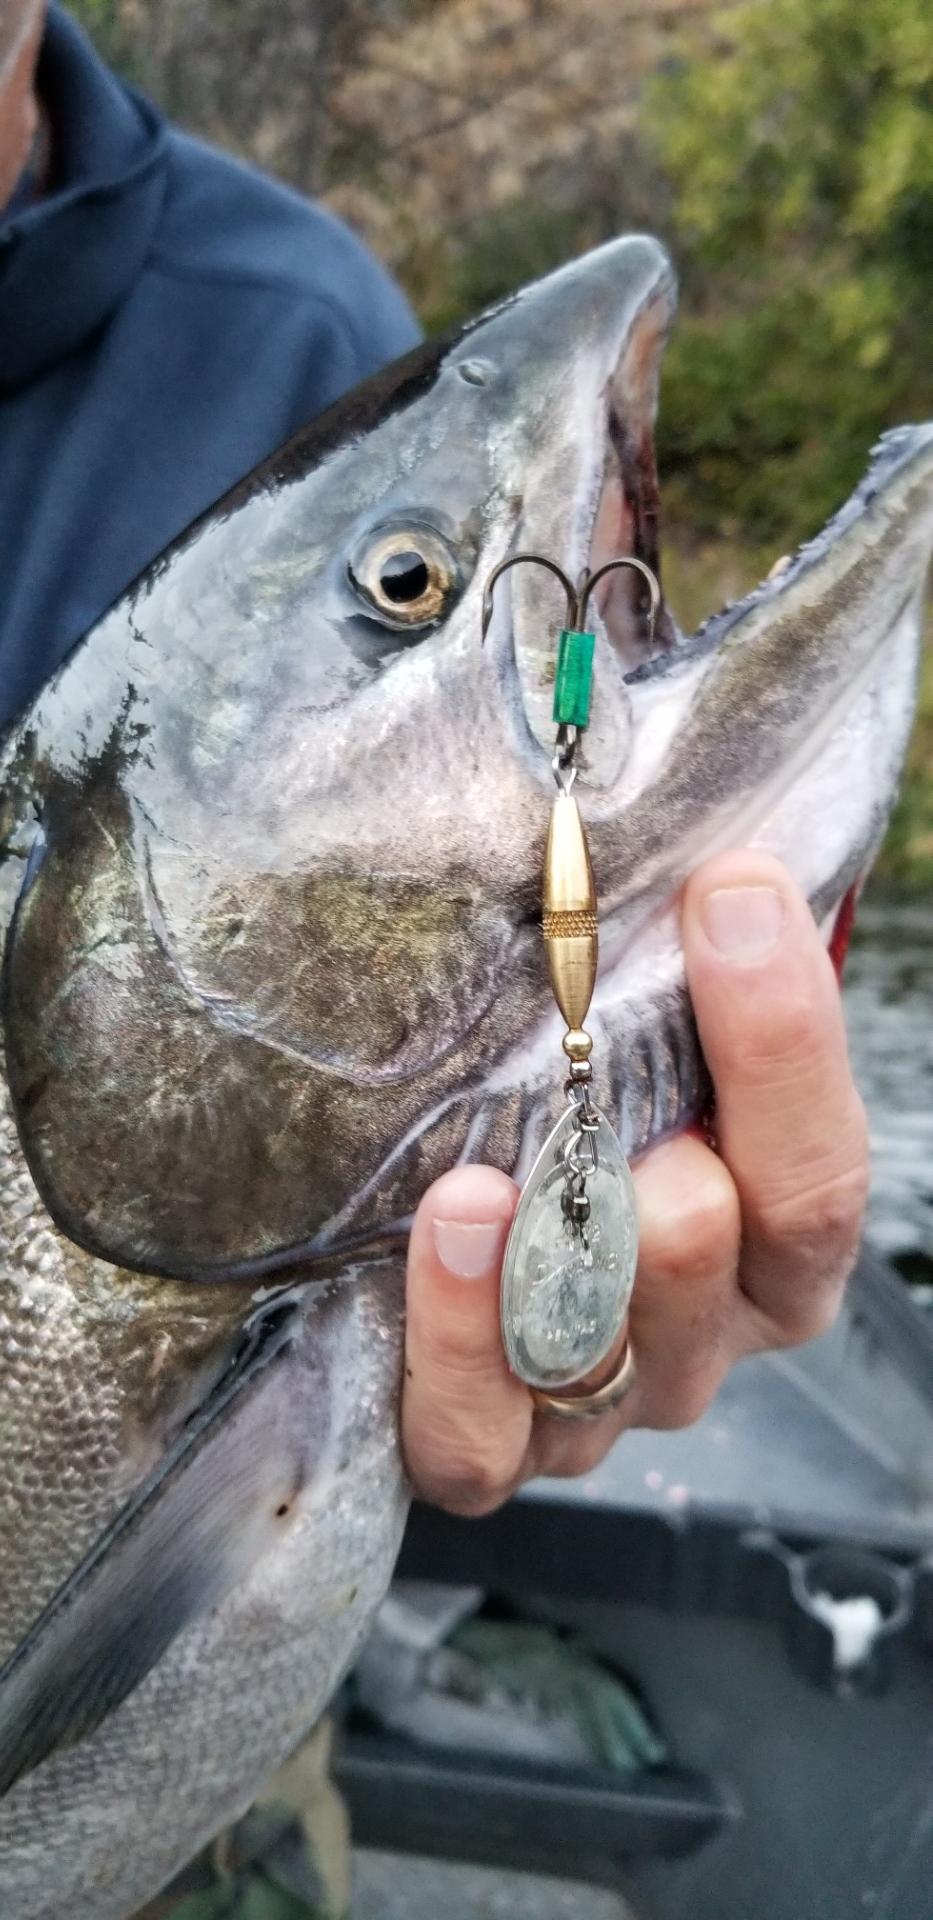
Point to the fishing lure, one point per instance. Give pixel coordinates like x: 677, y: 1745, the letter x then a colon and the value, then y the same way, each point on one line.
x: 569, y: 1265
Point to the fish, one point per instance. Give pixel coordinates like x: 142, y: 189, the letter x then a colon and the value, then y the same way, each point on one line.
x: 272, y: 841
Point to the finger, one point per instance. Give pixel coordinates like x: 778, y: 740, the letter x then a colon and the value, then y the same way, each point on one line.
x: 466, y: 1420
x: 683, y: 1305
x: 790, y: 1123
x: 566, y: 1449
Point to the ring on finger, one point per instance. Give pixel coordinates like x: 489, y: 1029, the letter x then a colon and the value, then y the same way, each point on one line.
x: 598, y: 1400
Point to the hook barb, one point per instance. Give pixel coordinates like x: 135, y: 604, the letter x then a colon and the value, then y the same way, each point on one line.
x: 591, y: 580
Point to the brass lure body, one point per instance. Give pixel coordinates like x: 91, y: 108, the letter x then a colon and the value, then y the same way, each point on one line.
x: 570, y: 1259
x: 569, y: 921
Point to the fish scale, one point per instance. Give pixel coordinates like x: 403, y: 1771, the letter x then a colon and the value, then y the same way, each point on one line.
x: 77, y: 1432
x: 61, y: 1427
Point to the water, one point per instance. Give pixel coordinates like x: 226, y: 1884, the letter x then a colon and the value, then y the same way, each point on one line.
x: 889, y: 1011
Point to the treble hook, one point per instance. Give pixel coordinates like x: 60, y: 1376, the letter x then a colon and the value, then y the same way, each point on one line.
x: 577, y: 597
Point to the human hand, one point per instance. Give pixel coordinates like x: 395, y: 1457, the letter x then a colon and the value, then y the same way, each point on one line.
x: 740, y: 1250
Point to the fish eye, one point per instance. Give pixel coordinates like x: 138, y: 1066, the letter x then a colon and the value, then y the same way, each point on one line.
x: 407, y: 575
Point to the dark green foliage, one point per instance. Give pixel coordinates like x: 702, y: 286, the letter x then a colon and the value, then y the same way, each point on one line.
x: 800, y: 158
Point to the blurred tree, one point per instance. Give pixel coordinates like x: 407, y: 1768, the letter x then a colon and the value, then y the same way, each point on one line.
x: 475, y: 143
x: 113, y: 26
x: 259, y: 81
x: 800, y: 162
x: 784, y: 146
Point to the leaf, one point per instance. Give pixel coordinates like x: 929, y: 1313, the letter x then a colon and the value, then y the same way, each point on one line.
x: 212, y: 1904
x: 548, y: 1675
x: 249, y: 1897
x: 263, y: 1901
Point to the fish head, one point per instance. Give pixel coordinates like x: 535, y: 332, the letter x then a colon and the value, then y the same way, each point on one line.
x: 276, y: 960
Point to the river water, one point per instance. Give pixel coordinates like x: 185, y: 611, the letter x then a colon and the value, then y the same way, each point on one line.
x: 889, y: 1011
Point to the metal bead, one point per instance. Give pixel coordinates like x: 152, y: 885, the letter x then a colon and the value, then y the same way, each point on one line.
x: 576, y: 1044
x: 580, y: 1075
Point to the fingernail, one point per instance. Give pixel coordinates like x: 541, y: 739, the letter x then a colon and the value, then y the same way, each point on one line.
x: 743, y: 923
x: 468, y: 1248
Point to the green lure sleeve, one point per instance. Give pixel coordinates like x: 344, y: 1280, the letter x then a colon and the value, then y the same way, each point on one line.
x: 574, y: 678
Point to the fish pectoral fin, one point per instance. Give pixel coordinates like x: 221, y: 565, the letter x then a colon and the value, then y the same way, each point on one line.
x: 191, y: 1532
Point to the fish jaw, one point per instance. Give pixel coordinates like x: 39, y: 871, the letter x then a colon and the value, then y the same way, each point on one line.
x: 782, y: 724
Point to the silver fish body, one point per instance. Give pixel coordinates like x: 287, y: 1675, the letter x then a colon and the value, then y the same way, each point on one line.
x: 303, y: 1503
x: 273, y: 840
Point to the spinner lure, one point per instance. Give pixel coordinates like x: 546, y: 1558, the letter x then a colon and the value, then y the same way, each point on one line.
x: 570, y: 1259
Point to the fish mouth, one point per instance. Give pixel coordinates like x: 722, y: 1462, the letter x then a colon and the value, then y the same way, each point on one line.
x: 867, y: 564
x: 621, y: 511
x: 626, y: 519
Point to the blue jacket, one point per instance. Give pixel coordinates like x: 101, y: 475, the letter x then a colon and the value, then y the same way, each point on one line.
x: 167, y: 318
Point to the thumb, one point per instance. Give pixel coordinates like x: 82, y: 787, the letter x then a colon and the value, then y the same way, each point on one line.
x: 466, y: 1420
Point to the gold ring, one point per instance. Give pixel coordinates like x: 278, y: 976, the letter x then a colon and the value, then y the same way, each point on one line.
x: 589, y: 1406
